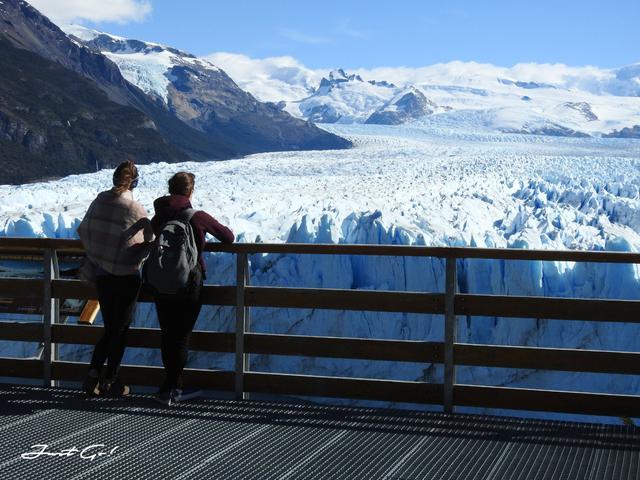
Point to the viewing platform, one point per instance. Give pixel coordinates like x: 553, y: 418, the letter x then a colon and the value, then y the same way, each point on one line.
x: 230, y: 439
x: 245, y: 438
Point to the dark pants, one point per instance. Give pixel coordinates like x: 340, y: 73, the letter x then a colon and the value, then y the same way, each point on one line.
x: 177, y: 317
x: 117, y: 295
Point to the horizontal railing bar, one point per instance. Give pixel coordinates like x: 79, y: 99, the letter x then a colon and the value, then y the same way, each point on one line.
x: 419, y: 251
x: 268, y: 344
x: 77, y: 289
x: 219, y: 295
x: 340, y: 347
x: 411, y: 302
x: 548, y: 308
x: 358, y: 388
x: 354, y: 348
x: 568, y: 360
x: 21, y: 331
x: 362, y: 300
x: 148, y: 376
x: 142, y: 337
x: 39, y: 244
x: 21, y: 367
x: 546, y: 400
x: 29, y: 308
x: 66, y: 245
x: 21, y: 288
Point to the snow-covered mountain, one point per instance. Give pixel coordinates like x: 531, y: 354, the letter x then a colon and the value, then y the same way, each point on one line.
x: 204, y: 96
x: 343, y: 98
x: 527, y: 98
x: 406, y: 185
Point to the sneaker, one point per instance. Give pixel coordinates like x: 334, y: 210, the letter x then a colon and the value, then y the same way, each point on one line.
x: 182, y: 395
x: 163, y: 397
x: 114, y: 388
x: 177, y: 395
x: 91, y: 384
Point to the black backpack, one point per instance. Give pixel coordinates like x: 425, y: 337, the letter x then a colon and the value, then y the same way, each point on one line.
x: 173, y: 257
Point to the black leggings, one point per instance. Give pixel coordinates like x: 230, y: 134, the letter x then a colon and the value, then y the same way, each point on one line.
x: 177, y: 317
x: 117, y: 295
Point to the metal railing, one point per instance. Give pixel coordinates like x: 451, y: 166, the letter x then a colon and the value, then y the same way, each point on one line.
x: 243, y: 342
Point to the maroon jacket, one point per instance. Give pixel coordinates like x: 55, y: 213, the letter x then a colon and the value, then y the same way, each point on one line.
x: 168, y: 207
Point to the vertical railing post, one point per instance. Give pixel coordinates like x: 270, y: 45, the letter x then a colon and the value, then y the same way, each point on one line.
x: 242, y: 322
x: 55, y: 349
x: 50, y: 313
x: 450, y: 328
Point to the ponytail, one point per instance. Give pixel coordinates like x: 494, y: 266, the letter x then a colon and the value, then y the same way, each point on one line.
x: 124, y: 177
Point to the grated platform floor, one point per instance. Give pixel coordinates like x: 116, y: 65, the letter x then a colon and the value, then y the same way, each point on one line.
x: 225, y: 439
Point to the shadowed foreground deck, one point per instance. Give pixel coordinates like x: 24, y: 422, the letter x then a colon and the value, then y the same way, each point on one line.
x: 250, y: 439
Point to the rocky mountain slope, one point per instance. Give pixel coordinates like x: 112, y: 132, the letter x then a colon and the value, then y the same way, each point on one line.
x: 170, y: 133
x: 28, y: 29
x: 54, y: 122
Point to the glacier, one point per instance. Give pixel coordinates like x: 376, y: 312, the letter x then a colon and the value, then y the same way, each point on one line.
x: 419, y: 184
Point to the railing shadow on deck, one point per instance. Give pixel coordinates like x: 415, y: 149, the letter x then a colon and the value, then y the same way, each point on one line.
x: 49, y: 291
x: 356, y: 419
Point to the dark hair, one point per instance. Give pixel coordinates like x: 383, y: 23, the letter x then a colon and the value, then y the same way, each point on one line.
x: 124, y: 176
x: 182, y: 183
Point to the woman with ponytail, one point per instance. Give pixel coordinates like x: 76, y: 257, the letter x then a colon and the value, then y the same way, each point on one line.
x: 116, y: 235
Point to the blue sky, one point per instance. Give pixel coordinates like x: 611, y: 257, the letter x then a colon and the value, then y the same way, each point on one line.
x: 359, y: 33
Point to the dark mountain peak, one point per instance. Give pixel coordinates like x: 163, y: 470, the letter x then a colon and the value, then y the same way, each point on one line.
x: 409, y: 104
x: 627, y: 132
x: 583, y: 108
x: 382, y: 83
x: 339, y: 77
x: 525, y: 85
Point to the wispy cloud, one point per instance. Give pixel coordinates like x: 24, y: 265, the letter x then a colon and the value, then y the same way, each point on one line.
x: 303, y: 37
x: 120, y: 11
x: 457, y: 12
x: 345, y: 27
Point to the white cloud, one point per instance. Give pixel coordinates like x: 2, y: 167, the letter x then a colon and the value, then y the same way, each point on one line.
x: 269, y: 79
x: 69, y: 11
x: 285, y: 78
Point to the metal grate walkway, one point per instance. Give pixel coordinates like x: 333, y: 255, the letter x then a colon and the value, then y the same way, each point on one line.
x: 224, y: 439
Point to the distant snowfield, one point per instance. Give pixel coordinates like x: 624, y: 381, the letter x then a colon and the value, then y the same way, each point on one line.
x: 426, y: 184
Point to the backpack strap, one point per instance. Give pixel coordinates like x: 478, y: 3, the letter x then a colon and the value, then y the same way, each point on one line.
x: 187, y: 215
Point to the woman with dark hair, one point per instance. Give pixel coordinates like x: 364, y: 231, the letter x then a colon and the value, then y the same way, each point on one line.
x: 177, y: 314
x: 116, y: 234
